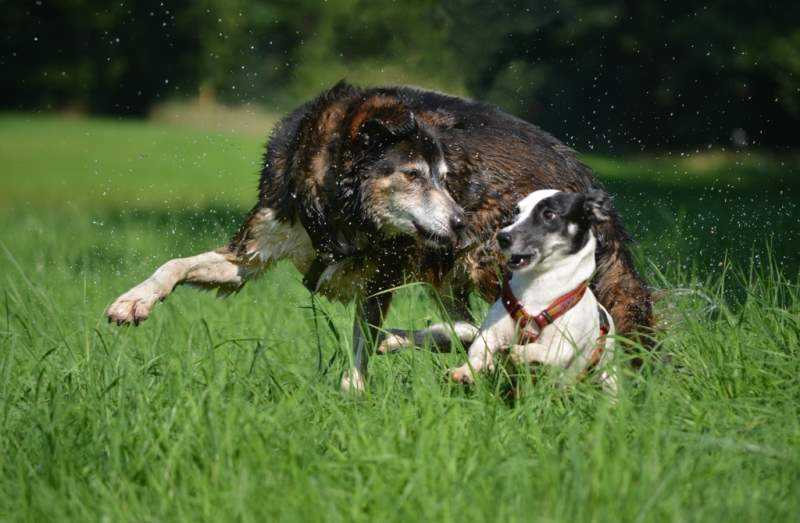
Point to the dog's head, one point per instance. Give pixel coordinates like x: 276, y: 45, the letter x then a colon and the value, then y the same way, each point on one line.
x: 550, y: 226
x: 401, y: 169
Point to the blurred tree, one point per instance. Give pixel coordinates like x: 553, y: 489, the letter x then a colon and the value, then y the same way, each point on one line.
x: 250, y: 47
x: 372, y: 43
x: 107, y: 57
x: 598, y: 73
x: 123, y: 57
x: 644, y: 73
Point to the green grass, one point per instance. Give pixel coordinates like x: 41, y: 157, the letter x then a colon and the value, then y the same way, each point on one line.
x: 220, y: 409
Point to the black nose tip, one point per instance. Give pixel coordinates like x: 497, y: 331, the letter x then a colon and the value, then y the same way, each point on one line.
x: 503, y: 240
x: 457, y: 223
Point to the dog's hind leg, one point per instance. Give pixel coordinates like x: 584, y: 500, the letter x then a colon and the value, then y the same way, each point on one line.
x: 440, y: 336
x: 562, y: 357
x: 537, y: 353
x: 608, y: 380
x: 262, y: 240
x: 609, y: 374
x: 618, y: 286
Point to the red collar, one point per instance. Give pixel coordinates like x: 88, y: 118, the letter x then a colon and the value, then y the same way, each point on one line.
x: 553, y: 311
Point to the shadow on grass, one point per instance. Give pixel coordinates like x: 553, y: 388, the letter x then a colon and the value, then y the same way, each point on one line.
x: 694, y: 228
x: 203, y: 221
x: 690, y: 227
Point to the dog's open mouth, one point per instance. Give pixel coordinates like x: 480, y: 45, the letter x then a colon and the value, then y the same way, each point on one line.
x: 519, y: 261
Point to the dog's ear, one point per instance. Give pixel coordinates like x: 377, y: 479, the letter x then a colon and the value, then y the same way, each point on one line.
x: 386, y: 126
x: 597, y: 205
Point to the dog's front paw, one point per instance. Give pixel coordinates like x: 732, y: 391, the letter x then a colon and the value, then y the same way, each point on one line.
x: 393, y: 342
x: 463, y: 375
x: 353, y: 381
x: 135, y: 305
x: 518, y: 355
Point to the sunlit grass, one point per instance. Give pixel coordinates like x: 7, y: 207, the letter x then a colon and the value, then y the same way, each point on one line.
x: 228, y: 409
x: 103, y: 163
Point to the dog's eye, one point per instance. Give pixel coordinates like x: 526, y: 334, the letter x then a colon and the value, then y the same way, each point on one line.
x: 413, y: 173
x: 549, y: 215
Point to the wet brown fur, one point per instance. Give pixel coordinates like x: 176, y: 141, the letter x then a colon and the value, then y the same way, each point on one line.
x: 311, y: 174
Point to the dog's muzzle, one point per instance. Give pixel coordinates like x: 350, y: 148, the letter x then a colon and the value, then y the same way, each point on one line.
x: 520, y: 261
x: 515, y: 261
x: 453, y: 237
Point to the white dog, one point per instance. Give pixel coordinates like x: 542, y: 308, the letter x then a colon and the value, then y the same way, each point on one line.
x: 547, y: 314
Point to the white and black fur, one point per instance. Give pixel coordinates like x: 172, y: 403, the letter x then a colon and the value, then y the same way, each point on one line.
x: 550, y: 249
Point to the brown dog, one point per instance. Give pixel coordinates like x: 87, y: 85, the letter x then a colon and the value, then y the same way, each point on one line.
x: 364, y: 189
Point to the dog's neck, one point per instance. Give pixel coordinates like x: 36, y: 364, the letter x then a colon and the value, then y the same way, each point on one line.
x: 538, y: 287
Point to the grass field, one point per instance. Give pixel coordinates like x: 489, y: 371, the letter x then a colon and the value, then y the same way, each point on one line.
x: 228, y: 409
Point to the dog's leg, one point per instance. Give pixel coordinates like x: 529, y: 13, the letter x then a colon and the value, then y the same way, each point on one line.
x: 608, y: 380
x: 439, y: 335
x: 480, y: 356
x: 558, y: 357
x: 262, y: 240
x: 496, y: 332
x: 619, y: 287
x: 210, y: 269
x: 538, y: 353
x: 610, y: 373
x: 368, y: 319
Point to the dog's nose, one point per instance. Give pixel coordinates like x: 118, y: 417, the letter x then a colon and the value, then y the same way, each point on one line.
x: 457, y: 223
x: 503, y: 240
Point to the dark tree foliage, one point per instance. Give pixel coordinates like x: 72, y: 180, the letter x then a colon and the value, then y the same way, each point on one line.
x: 111, y: 57
x: 598, y: 73
x: 638, y: 73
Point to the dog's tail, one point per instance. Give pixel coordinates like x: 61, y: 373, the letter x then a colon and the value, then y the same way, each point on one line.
x: 618, y: 285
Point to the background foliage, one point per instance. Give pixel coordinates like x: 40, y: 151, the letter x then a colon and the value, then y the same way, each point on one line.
x: 599, y: 73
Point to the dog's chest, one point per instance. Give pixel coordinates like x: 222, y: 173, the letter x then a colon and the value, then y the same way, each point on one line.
x: 577, y: 329
x: 387, y: 267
